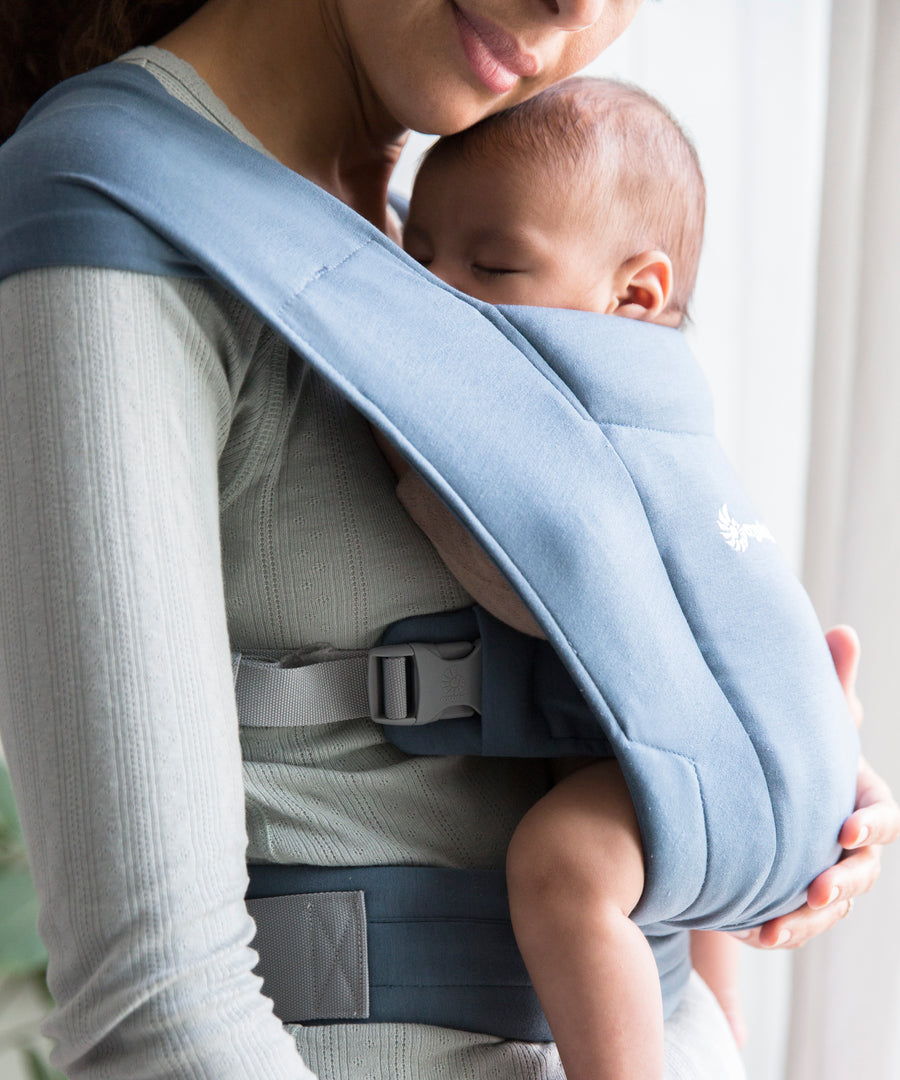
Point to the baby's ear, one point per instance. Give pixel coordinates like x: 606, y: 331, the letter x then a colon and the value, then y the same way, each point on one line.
x: 642, y: 287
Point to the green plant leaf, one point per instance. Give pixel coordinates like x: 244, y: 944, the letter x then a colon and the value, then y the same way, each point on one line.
x: 21, y: 950
x: 39, y: 1068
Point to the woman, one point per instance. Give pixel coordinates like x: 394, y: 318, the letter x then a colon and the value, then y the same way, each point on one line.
x: 174, y: 477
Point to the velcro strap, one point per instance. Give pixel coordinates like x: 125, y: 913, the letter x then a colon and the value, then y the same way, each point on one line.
x: 440, y: 948
x: 313, y: 955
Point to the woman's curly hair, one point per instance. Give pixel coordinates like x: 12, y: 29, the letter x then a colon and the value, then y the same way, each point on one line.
x: 43, y: 42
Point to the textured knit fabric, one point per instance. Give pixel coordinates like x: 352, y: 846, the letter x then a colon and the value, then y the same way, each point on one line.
x: 158, y: 441
x: 699, y: 1046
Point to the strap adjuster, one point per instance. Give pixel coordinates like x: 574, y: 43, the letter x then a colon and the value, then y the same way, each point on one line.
x: 413, y: 684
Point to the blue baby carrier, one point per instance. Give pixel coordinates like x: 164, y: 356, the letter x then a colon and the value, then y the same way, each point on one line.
x: 677, y: 638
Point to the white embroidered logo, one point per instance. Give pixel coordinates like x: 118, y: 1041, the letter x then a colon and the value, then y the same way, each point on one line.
x: 738, y: 536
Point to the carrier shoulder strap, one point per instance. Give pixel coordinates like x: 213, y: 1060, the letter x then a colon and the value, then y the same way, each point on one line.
x: 110, y: 170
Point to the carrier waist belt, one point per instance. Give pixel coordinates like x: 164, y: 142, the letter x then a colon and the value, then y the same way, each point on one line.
x: 416, y: 944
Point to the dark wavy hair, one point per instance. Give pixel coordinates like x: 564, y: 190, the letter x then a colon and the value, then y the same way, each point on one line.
x: 43, y: 42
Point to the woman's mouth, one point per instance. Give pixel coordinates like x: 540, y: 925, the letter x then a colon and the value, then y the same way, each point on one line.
x: 494, y: 55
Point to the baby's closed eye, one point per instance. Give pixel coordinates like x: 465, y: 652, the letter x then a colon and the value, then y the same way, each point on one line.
x: 484, y: 270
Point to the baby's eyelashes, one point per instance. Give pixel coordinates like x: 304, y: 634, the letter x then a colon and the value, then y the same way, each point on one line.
x: 479, y: 270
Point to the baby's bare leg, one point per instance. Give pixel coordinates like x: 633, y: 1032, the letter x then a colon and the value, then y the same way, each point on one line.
x: 575, y: 870
x: 716, y: 959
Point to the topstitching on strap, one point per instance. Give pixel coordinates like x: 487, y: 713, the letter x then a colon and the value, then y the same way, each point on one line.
x: 313, y: 954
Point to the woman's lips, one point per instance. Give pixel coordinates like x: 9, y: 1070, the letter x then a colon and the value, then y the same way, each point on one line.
x: 494, y: 55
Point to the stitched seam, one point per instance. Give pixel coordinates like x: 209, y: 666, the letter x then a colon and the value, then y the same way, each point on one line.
x: 320, y: 273
x: 530, y: 352
x: 334, y: 969
x: 714, y: 678
x: 657, y: 430
x: 693, y: 765
x: 493, y: 315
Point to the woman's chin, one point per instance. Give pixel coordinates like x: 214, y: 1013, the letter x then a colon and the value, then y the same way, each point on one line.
x: 439, y: 113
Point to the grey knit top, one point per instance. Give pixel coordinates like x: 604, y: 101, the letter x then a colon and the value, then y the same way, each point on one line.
x: 174, y: 480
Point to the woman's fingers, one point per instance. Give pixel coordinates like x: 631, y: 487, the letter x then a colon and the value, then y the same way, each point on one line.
x: 793, y: 930
x: 876, y: 819
x: 854, y: 875
x: 843, y: 642
x: 830, y: 896
x: 871, y: 826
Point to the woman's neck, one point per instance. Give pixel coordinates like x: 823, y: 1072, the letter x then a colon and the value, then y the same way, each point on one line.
x: 284, y: 69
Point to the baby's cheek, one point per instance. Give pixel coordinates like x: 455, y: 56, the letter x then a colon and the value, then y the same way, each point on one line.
x: 520, y: 289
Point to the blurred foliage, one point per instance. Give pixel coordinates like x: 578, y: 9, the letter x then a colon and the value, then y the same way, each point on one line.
x: 23, y: 959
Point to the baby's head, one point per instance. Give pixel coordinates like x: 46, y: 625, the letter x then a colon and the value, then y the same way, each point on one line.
x: 588, y: 196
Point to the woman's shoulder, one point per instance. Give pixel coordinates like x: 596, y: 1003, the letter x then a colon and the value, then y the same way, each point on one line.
x: 123, y: 278
x: 182, y: 81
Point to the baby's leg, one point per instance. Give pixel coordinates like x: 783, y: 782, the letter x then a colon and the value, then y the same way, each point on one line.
x: 575, y: 870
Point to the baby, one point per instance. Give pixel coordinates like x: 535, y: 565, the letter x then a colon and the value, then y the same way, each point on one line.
x: 588, y: 197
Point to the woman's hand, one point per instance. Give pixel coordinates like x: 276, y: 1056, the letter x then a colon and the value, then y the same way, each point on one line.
x: 875, y: 821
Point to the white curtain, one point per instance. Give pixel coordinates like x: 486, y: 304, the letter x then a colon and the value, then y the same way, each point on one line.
x: 847, y: 984
x: 804, y: 385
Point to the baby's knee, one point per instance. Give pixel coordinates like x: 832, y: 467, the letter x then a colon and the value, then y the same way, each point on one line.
x: 546, y: 858
x: 580, y: 844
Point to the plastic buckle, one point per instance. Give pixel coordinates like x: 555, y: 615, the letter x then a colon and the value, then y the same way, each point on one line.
x: 443, y: 681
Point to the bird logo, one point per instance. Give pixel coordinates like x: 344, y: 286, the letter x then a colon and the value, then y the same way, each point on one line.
x: 738, y: 536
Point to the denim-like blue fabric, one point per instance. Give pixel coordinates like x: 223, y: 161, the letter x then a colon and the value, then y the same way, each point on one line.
x: 577, y: 448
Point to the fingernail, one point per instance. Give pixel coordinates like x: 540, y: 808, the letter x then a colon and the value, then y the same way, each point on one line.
x: 833, y: 895
x: 863, y: 836
x: 742, y: 934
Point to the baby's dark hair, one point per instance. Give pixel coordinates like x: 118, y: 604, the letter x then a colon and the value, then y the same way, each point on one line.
x: 625, y: 148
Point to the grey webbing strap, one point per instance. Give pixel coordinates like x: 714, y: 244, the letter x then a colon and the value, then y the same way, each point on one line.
x: 313, y: 954
x: 269, y: 695
x: 409, y: 684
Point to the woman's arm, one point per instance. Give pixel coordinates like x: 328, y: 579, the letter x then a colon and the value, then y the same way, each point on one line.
x: 117, y: 712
